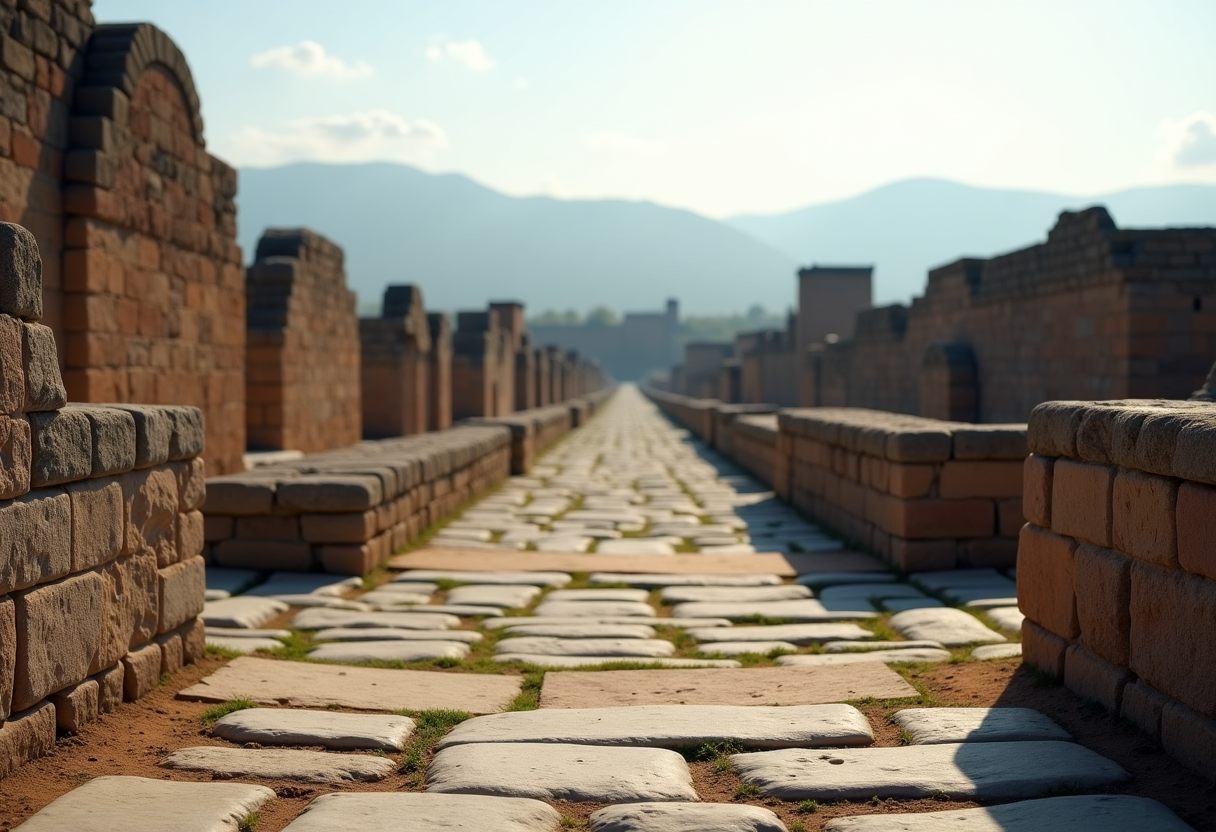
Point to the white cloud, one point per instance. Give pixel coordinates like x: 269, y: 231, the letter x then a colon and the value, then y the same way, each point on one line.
x: 1188, y: 143
x: 310, y: 58
x: 374, y: 135
x: 470, y: 53
x: 552, y: 185
x: 614, y: 141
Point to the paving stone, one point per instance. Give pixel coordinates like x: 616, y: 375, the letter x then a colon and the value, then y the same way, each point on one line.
x: 942, y: 578
x: 544, y: 646
x: 634, y: 546
x: 737, y: 648
x: 808, y: 609
x: 463, y: 545
x: 673, y: 726
x: 634, y: 595
x: 793, y: 633
x: 298, y: 583
x: 557, y: 620
x: 481, y: 535
x: 593, y: 609
x: 862, y: 646
x: 231, y: 581
x: 997, y: 651
x: 394, y: 599
x: 685, y: 594
x: 330, y: 729
x: 564, y: 543
x: 949, y: 626
x: 719, y: 540
x: 320, y: 619
x: 245, y: 646
x: 423, y: 588
x: 564, y: 662
x: 1008, y: 619
x: 280, y: 764
x: 555, y: 579
x: 448, y: 609
x: 915, y: 654
x: 395, y: 650
x: 1087, y: 813
x: 553, y: 771
x: 329, y: 602
x: 582, y: 630
x: 685, y: 817
x: 731, y: 549
x: 660, y: 581
x: 240, y: 632
x: 242, y: 611
x: 930, y: 726
x: 748, y: 686
x: 139, y: 804
x: 1002, y: 596
x: 964, y: 771
x: 384, y: 811
x: 865, y: 591
x: 902, y: 604
x: 514, y: 596
x: 309, y: 685
x: 393, y: 634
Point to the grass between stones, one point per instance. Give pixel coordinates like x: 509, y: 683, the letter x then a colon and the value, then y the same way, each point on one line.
x: 429, y: 727
x: 212, y: 714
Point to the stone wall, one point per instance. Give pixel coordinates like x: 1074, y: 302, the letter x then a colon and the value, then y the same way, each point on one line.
x: 754, y: 445
x: 439, y: 369
x: 101, y: 577
x: 102, y: 157
x: 396, y: 359
x: 303, y: 366
x: 1117, y: 567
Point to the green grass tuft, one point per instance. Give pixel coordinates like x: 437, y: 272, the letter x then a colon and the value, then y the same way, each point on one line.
x: 429, y: 727
x: 209, y: 716
x: 807, y: 807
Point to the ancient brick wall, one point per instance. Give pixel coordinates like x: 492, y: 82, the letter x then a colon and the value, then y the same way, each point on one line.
x: 102, y: 157
x: 754, y: 444
x: 828, y: 299
x: 483, y: 367
x: 1116, y: 566
x: 396, y: 358
x: 439, y: 384
x: 302, y: 382
x: 101, y: 578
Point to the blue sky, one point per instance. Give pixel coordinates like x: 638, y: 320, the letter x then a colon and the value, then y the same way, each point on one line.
x: 719, y: 106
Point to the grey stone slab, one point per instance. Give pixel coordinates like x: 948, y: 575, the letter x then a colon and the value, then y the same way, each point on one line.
x: 862, y: 646
x: 448, y: 609
x: 465, y: 545
x: 394, y: 650
x: 659, y: 581
x: 818, y: 579
x: 915, y: 654
x: 329, y: 602
x: 311, y: 685
x: 334, y: 730
x: 554, y: 579
x: 687, y: 594
x: 564, y: 543
x: 320, y: 619
x: 902, y: 604
x: 638, y: 596
x: 280, y: 764
x: 719, y: 540
x: 582, y: 630
x: 809, y: 609
x: 330, y: 493
x: 931, y: 726
x: 244, y: 646
x: 685, y: 817
x: 480, y: 535
x: 865, y: 591
x: 565, y: 662
x: 424, y: 588
x: 242, y: 612
x: 385, y: 811
x: 942, y: 578
x: 556, y: 620
x: 964, y: 771
x: 1008, y: 619
x: 793, y: 633
x: 594, y: 609
x: 216, y: 594
x: 139, y: 804
x: 951, y: 627
x: 1082, y: 813
x: 736, y: 648
x: 546, y: 646
x: 297, y: 583
x: 232, y: 581
x: 554, y: 771
x: 634, y: 546
x: 513, y: 596
x: 240, y: 632
x: 673, y: 726
x: 394, y: 599
x: 997, y: 651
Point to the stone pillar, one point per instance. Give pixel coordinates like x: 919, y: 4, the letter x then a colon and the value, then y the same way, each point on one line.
x: 476, y: 365
x: 439, y: 392
x: 396, y: 352
x: 543, y: 388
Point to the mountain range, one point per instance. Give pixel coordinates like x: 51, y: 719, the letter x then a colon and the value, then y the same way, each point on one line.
x: 465, y: 244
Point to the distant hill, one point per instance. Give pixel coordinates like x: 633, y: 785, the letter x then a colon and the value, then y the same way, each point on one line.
x: 465, y: 244
x: 908, y: 227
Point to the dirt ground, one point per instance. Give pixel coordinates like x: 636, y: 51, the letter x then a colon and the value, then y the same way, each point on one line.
x: 134, y: 739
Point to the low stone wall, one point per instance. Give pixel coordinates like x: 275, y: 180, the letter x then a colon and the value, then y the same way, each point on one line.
x: 532, y: 432
x: 753, y: 444
x: 724, y: 416
x: 695, y: 414
x: 1117, y: 565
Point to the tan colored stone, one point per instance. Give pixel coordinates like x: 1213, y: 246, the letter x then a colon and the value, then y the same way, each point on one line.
x: 109, y: 688
x: 62, y: 447
x: 191, y: 483
x: 787, y: 566
x: 130, y: 607
x: 182, y: 586
x: 171, y: 654
x: 194, y: 640
x: 77, y: 706
x: 8, y: 654
x: 12, y: 372
x: 150, y: 502
x: 190, y: 534
x: 1081, y: 500
x: 1092, y: 678
x: 1045, y: 580
x: 16, y: 456
x: 36, y: 543
x: 1103, y: 586
x: 57, y: 636
x: 1143, y: 507
x: 141, y: 671
x: 113, y: 431
x: 1196, y: 528
x: 97, y: 522
x: 1036, y: 489
x: 1043, y: 649
x: 26, y: 736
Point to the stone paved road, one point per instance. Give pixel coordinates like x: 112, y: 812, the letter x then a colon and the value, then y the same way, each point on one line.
x: 631, y: 486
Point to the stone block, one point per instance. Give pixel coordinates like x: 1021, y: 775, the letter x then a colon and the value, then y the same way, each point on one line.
x: 35, y: 539
x: 990, y: 442
x: 194, y: 640
x: 172, y: 656
x: 16, y: 454
x: 1102, y: 583
x: 1045, y: 580
x: 43, y: 384
x: 77, y: 706
x: 1081, y: 500
x: 330, y: 493
x: 1036, y: 489
x: 1173, y: 634
x: 187, y: 439
x: 113, y: 434
x: 349, y: 559
x: 8, y: 654
x: 352, y: 527
x: 130, y: 609
x: 923, y: 555
x: 109, y: 688
x: 910, y: 481
x: 1052, y: 428
x: 190, y: 534
x: 141, y: 672
x: 963, y: 480
x: 272, y: 527
x: 928, y: 519
x: 20, y: 270
x: 182, y: 587
x: 1093, y: 678
x: 97, y: 522
x: 1143, y: 508
x: 153, y: 427
x: 1142, y: 707
x: 12, y: 366
x: 26, y: 736
x: 150, y: 503
x: 1195, y: 524
x: 1190, y: 738
x: 57, y: 636
x: 191, y: 483
x: 265, y: 555
x: 239, y: 496
x: 919, y: 445
x: 989, y: 552
x: 1193, y: 458
x: 217, y: 527
x: 62, y: 447
x: 1043, y: 649
x: 1010, y: 516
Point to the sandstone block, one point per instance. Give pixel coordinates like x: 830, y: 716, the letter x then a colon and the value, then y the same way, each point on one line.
x: 109, y: 689
x: 62, y: 447
x: 1142, y: 706
x: 1010, y: 515
x: 141, y: 671
x: 8, y: 654
x: 113, y: 433
x: 191, y: 483
x: 12, y: 367
x: 910, y: 481
x: 921, y: 555
x: 217, y: 527
x: 352, y: 527
x: 26, y: 736
x: 1036, y: 489
x: 1189, y: 737
x: 1192, y: 459
x: 77, y: 706
x: 172, y: 654
x: 1081, y: 500
x: 153, y: 427
x: 190, y: 534
x: 20, y: 271
x: 1043, y: 649
x: 927, y: 519
x: 918, y: 445
x: 97, y: 522
x: 330, y: 493
x: 150, y: 503
x: 57, y: 636
x: 36, y: 539
x: 1092, y: 678
x: 266, y: 555
x: 239, y: 496
x: 194, y: 640
x: 962, y: 480
x: 130, y: 608
x: 182, y: 586
x: 1045, y: 580
x: 1143, y: 508
x: 990, y: 442
x: 270, y: 527
x: 1052, y: 428
x: 187, y: 439
x: 349, y: 559
x: 1102, y: 581
x: 16, y: 453
x: 1195, y: 519
x: 43, y: 384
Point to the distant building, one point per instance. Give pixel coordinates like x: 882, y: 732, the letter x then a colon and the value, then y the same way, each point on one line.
x: 626, y: 351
